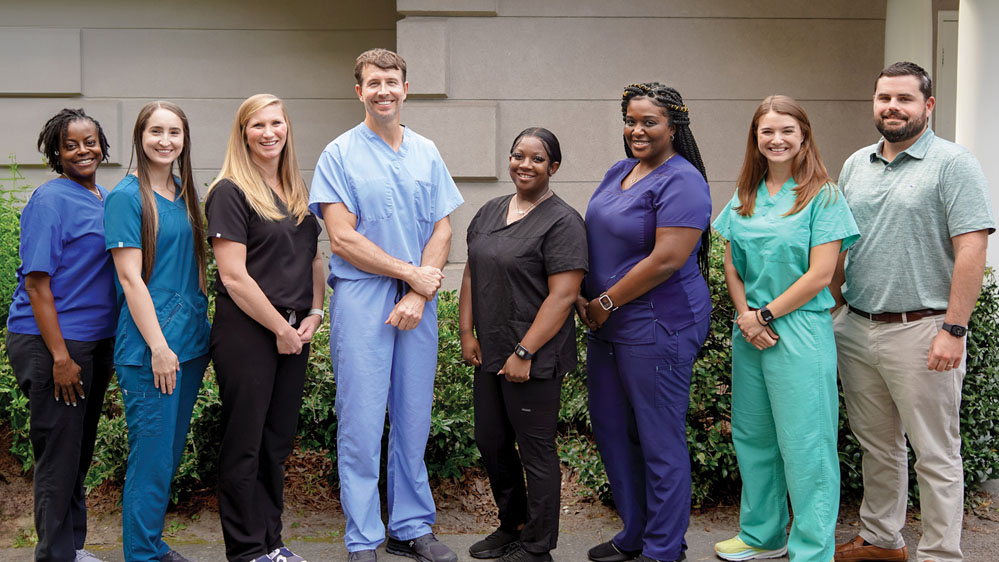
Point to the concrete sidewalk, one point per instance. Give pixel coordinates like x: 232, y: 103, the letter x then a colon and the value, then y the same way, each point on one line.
x: 980, y: 542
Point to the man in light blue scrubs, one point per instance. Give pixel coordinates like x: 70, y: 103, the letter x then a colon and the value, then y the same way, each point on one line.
x: 385, y: 196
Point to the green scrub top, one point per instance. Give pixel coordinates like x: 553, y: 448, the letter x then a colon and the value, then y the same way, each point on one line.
x: 770, y: 251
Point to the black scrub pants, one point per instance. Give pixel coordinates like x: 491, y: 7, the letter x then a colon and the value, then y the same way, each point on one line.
x: 525, y: 413
x: 261, y: 394
x: 62, y: 437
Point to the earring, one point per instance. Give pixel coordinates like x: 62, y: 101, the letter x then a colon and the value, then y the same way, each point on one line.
x: 671, y: 138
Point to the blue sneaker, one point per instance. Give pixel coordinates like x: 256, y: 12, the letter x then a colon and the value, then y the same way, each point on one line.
x: 284, y: 554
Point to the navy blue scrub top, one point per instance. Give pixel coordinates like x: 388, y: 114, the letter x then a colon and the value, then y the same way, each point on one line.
x: 621, y: 230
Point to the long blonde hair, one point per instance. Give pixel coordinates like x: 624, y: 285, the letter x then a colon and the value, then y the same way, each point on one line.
x: 188, y: 191
x: 240, y: 169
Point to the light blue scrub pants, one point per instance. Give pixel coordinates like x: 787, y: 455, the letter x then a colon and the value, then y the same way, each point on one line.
x: 378, y: 365
x: 157, y: 432
x: 785, y: 410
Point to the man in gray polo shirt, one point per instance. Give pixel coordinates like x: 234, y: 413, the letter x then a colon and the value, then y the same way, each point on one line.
x: 911, y: 282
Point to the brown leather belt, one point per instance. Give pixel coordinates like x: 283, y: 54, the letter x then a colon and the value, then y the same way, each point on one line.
x: 910, y: 316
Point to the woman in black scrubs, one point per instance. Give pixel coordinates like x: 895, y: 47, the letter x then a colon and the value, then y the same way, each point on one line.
x: 526, y: 258
x: 269, y: 304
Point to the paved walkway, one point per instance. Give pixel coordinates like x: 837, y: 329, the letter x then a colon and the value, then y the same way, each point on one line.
x: 980, y: 543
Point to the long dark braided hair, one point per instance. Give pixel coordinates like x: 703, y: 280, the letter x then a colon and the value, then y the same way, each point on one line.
x: 50, y: 139
x: 683, y: 140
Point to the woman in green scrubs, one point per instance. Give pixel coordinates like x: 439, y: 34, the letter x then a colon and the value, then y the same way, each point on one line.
x: 785, y: 228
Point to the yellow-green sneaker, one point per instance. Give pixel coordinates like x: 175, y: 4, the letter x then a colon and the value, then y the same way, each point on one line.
x: 735, y: 549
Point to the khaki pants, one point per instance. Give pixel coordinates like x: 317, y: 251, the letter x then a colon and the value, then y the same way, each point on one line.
x: 890, y: 394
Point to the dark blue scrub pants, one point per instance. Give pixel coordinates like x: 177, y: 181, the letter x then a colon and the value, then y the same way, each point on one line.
x: 157, y: 433
x: 62, y: 438
x: 638, y: 405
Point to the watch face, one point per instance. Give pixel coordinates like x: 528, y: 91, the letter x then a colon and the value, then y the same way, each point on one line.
x: 955, y: 330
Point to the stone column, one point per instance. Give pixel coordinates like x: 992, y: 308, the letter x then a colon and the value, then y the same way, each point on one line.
x: 977, y: 122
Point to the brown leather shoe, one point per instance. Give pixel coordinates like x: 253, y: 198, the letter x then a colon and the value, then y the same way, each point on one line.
x: 857, y: 551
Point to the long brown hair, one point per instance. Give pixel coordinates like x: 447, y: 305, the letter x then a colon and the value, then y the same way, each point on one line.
x: 807, y: 168
x: 240, y: 169
x: 150, y: 218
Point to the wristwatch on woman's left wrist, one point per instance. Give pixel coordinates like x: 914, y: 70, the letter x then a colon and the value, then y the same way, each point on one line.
x: 766, y: 315
x: 521, y: 351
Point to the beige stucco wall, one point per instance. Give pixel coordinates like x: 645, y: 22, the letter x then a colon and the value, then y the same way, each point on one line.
x: 479, y: 72
x: 113, y: 56
x: 562, y: 63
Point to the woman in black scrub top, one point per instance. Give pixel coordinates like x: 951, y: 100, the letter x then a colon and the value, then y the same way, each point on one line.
x: 526, y: 258
x: 269, y: 304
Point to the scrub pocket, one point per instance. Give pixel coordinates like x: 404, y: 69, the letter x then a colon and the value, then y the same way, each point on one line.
x: 424, y: 202
x: 143, y: 406
x: 672, y: 357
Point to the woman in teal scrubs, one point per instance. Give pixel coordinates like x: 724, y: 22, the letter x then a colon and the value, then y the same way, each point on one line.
x: 785, y: 228
x: 154, y: 230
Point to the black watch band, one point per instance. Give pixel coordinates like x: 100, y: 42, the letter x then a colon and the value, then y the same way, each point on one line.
x: 766, y: 315
x: 521, y: 351
x: 955, y: 330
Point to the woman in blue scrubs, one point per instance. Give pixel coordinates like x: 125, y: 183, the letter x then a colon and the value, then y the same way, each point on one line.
x: 154, y: 231
x: 648, y: 308
x: 785, y: 227
x: 60, y: 331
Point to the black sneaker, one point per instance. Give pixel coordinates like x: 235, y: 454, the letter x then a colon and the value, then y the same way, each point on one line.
x: 609, y: 552
x: 174, y: 556
x: 518, y: 554
x: 498, y: 543
x: 362, y: 556
x: 425, y: 549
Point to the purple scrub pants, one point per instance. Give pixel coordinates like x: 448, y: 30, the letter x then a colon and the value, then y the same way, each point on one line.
x: 638, y: 405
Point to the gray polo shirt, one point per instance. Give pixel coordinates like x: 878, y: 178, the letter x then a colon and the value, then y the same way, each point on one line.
x: 908, y: 210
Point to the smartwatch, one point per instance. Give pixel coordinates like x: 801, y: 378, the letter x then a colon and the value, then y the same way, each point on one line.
x: 955, y: 330
x: 767, y: 316
x: 521, y: 351
x: 605, y: 302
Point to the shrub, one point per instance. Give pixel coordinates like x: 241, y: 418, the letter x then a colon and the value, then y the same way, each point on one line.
x: 451, y: 446
x: 11, y: 200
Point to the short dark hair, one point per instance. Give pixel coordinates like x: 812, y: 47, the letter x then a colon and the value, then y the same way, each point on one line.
x: 382, y: 58
x: 905, y: 68
x: 548, y: 140
x: 50, y: 139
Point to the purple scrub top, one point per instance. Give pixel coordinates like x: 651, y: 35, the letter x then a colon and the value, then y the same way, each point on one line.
x: 621, y: 231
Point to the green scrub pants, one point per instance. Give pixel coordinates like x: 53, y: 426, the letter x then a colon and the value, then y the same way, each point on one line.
x: 784, y: 417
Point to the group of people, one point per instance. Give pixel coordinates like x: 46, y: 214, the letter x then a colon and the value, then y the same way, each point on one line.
x: 117, y: 281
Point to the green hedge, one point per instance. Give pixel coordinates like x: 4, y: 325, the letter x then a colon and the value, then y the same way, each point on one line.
x: 451, y: 447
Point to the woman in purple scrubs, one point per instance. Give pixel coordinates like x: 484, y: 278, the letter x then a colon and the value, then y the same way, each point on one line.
x: 647, y: 305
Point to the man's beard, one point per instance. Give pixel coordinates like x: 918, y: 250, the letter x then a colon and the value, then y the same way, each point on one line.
x: 913, y: 127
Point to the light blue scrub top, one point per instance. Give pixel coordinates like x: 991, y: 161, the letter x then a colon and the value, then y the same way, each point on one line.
x: 396, y: 196
x: 181, y: 307
x: 771, y: 251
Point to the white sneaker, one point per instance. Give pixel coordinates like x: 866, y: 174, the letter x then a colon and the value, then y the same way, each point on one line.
x: 83, y: 555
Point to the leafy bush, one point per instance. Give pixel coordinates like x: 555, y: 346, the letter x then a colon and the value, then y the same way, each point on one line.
x: 11, y: 200
x: 451, y: 446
